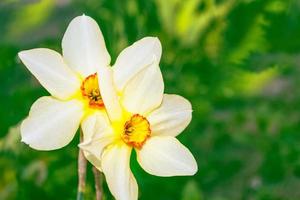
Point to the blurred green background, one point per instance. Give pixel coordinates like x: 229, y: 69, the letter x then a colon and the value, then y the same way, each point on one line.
x: 237, y: 61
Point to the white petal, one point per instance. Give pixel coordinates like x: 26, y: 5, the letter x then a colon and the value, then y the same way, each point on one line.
x: 120, y: 180
x: 171, y: 117
x: 97, y: 134
x: 134, y: 58
x: 51, y: 71
x: 109, y: 94
x: 166, y: 156
x: 84, y: 46
x: 51, y: 123
x: 144, y: 92
x: 96, y: 125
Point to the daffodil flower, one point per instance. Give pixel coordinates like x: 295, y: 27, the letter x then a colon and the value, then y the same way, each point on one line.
x: 140, y: 117
x: 72, y: 80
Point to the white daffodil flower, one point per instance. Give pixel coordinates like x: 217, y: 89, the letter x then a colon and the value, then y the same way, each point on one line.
x: 72, y: 80
x: 140, y: 117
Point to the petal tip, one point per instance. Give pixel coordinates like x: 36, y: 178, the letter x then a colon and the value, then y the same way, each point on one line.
x: 194, y: 169
x: 82, y: 18
x: 23, y: 140
x: 156, y: 39
x: 22, y: 54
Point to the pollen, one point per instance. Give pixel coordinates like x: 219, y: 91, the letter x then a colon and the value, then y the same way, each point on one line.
x: 136, y: 131
x: 91, y: 93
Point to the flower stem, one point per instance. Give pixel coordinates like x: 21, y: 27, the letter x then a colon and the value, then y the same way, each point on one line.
x: 81, y: 172
x: 98, y: 183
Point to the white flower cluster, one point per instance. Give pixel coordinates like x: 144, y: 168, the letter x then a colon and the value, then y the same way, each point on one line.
x: 119, y: 107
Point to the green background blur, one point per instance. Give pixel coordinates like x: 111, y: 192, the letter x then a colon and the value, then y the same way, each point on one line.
x: 237, y: 61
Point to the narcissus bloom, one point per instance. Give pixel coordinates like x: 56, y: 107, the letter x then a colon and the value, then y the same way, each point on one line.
x: 72, y: 80
x: 140, y: 117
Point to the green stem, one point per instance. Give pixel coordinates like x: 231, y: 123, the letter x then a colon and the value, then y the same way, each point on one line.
x: 98, y: 183
x: 81, y: 172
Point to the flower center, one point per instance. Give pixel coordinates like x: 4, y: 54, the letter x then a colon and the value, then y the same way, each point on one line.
x: 91, y: 92
x: 136, y: 131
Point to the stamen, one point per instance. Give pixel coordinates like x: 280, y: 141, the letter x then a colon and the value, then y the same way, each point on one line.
x: 136, y: 131
x: 91, y: 92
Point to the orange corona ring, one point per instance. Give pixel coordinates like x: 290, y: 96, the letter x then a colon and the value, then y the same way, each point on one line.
x: 136, y: 131
x: 91, y: 92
